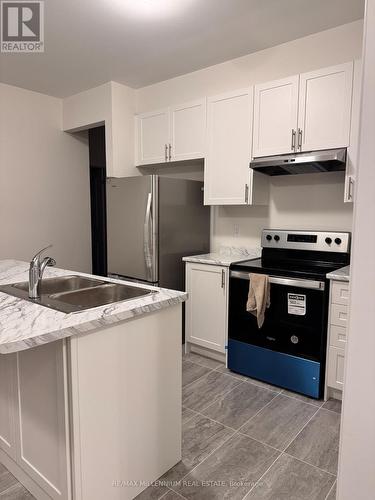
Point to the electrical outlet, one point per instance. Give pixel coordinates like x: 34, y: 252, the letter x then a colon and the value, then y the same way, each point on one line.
x: 236, y: 230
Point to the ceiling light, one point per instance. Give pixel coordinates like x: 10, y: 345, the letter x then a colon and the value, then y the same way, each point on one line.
x: 153, y: 8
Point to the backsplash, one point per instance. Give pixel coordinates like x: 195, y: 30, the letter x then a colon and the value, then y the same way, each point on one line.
x: 312, y: 201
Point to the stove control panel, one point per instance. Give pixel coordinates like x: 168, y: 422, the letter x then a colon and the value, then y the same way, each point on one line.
x: 326, y: 241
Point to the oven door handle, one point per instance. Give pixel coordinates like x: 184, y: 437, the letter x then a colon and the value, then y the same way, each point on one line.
x: 315, y: 285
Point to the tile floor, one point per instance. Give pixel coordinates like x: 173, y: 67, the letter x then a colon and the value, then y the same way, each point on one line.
x: 10, y: 488
x: 244, y: 439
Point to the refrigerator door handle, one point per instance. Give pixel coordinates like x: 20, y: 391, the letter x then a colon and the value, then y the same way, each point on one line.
x: 147, y: 237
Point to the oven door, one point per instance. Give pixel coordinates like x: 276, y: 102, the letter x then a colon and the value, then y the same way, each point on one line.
x: 295, y: 322
x: 289, y: 349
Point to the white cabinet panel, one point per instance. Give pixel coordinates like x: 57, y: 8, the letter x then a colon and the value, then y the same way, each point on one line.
x: 339, y: 315
x: 340, y: 293
x: 336, y: 363
x: 325, y: 99
x: 188, y: 130
x: 206, y: 308
x: 275, y: 116
x: 42, y: 424
x: 153, y: 137
x: 338, y: 336
x: 229, y: 130
x: 351, y: 165
x: 8, y: 410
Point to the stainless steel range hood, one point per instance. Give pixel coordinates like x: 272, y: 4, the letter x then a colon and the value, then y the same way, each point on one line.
x: 329, y: 160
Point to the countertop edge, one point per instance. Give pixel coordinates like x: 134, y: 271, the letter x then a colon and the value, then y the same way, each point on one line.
x: 342, y: 274
x: 89, y: 326
x: 224, y: 259
x: 19, y: 334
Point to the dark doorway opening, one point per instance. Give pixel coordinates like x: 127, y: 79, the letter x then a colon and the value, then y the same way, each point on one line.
x: 98, y: 179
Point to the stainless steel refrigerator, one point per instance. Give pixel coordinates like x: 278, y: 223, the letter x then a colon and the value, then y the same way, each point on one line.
x: 152, y: 222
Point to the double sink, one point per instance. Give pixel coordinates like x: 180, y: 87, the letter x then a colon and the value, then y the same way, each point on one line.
x: 74, y: 293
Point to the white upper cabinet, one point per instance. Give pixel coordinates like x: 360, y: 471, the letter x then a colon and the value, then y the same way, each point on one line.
x: 188, y: 130
x: 153, y: 132
x: 275, y: 117
x: 351, y: 165
x: 172, y: 134
x: 304, y: 112
x: 229, y: 127
x: 325, y: 101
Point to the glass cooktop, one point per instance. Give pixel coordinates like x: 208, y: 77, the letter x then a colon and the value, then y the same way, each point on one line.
x: 301, y: 269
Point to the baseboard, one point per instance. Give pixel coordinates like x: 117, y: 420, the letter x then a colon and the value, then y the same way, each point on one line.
x: 204, y: 351
x: 22, y: 477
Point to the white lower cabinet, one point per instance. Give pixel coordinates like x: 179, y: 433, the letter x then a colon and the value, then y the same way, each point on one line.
x: 336, y: 367
x: 82, y: 419
x: 41, y: 391
x: 8, y: 367
x: 337, y: 338
x: 206, y: 308
x: 33, y: 424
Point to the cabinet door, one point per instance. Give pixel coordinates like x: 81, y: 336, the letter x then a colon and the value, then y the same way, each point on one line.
x: 206, y: 308
x: 339, y: 315
x: 188, y: 130
x: 229, y: 131
x: 351, y: 164
x: 275, y: 117
x: 153, y: 137
x: 338, y: 336
x: 340, y: 293
x: 336, y: 364
x: 43, y: 420
x: 325, y: 101
x: 8, y: 403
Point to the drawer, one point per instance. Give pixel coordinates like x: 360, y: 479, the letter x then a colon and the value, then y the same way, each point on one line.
x: 335, y: 372
x: 339, y: 315
x: 340, y: 293
x: 337, y: 336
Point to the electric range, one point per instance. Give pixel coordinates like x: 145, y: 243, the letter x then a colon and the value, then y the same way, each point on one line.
x: 289, y: 350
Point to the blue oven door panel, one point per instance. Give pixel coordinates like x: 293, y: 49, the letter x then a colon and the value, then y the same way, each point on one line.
x: 284, y: 370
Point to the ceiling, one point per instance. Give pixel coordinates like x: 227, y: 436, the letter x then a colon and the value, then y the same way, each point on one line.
x: 140, y: 42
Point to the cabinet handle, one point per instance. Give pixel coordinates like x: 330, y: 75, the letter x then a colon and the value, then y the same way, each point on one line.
x: 246, y: 193
x: 166, y: 152
x: 170, y: 152
x: 222, y: 278
x: 299, y: 139
x: 293, y: 140
x: 350, y: 188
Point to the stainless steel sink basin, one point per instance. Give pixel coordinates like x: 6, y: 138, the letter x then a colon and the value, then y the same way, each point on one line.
x: 101, y: 295
x: 60, y: 284
x: 76, y: 293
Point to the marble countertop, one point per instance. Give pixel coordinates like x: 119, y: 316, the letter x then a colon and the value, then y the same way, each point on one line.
x: 225, y: 256
x: 24, y: 325
x: 342, y: 274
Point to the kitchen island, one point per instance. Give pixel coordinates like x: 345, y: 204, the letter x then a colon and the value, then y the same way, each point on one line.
x: 90, y: 402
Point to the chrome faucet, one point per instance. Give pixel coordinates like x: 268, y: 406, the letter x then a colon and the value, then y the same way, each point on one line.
x: 36, y: 270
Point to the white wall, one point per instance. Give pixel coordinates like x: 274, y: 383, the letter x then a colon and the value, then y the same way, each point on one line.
x: 44, y: 181
x: 356, y: 478
x: 111, y: 104
x: 305, y: 201
x: 308, y: 202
